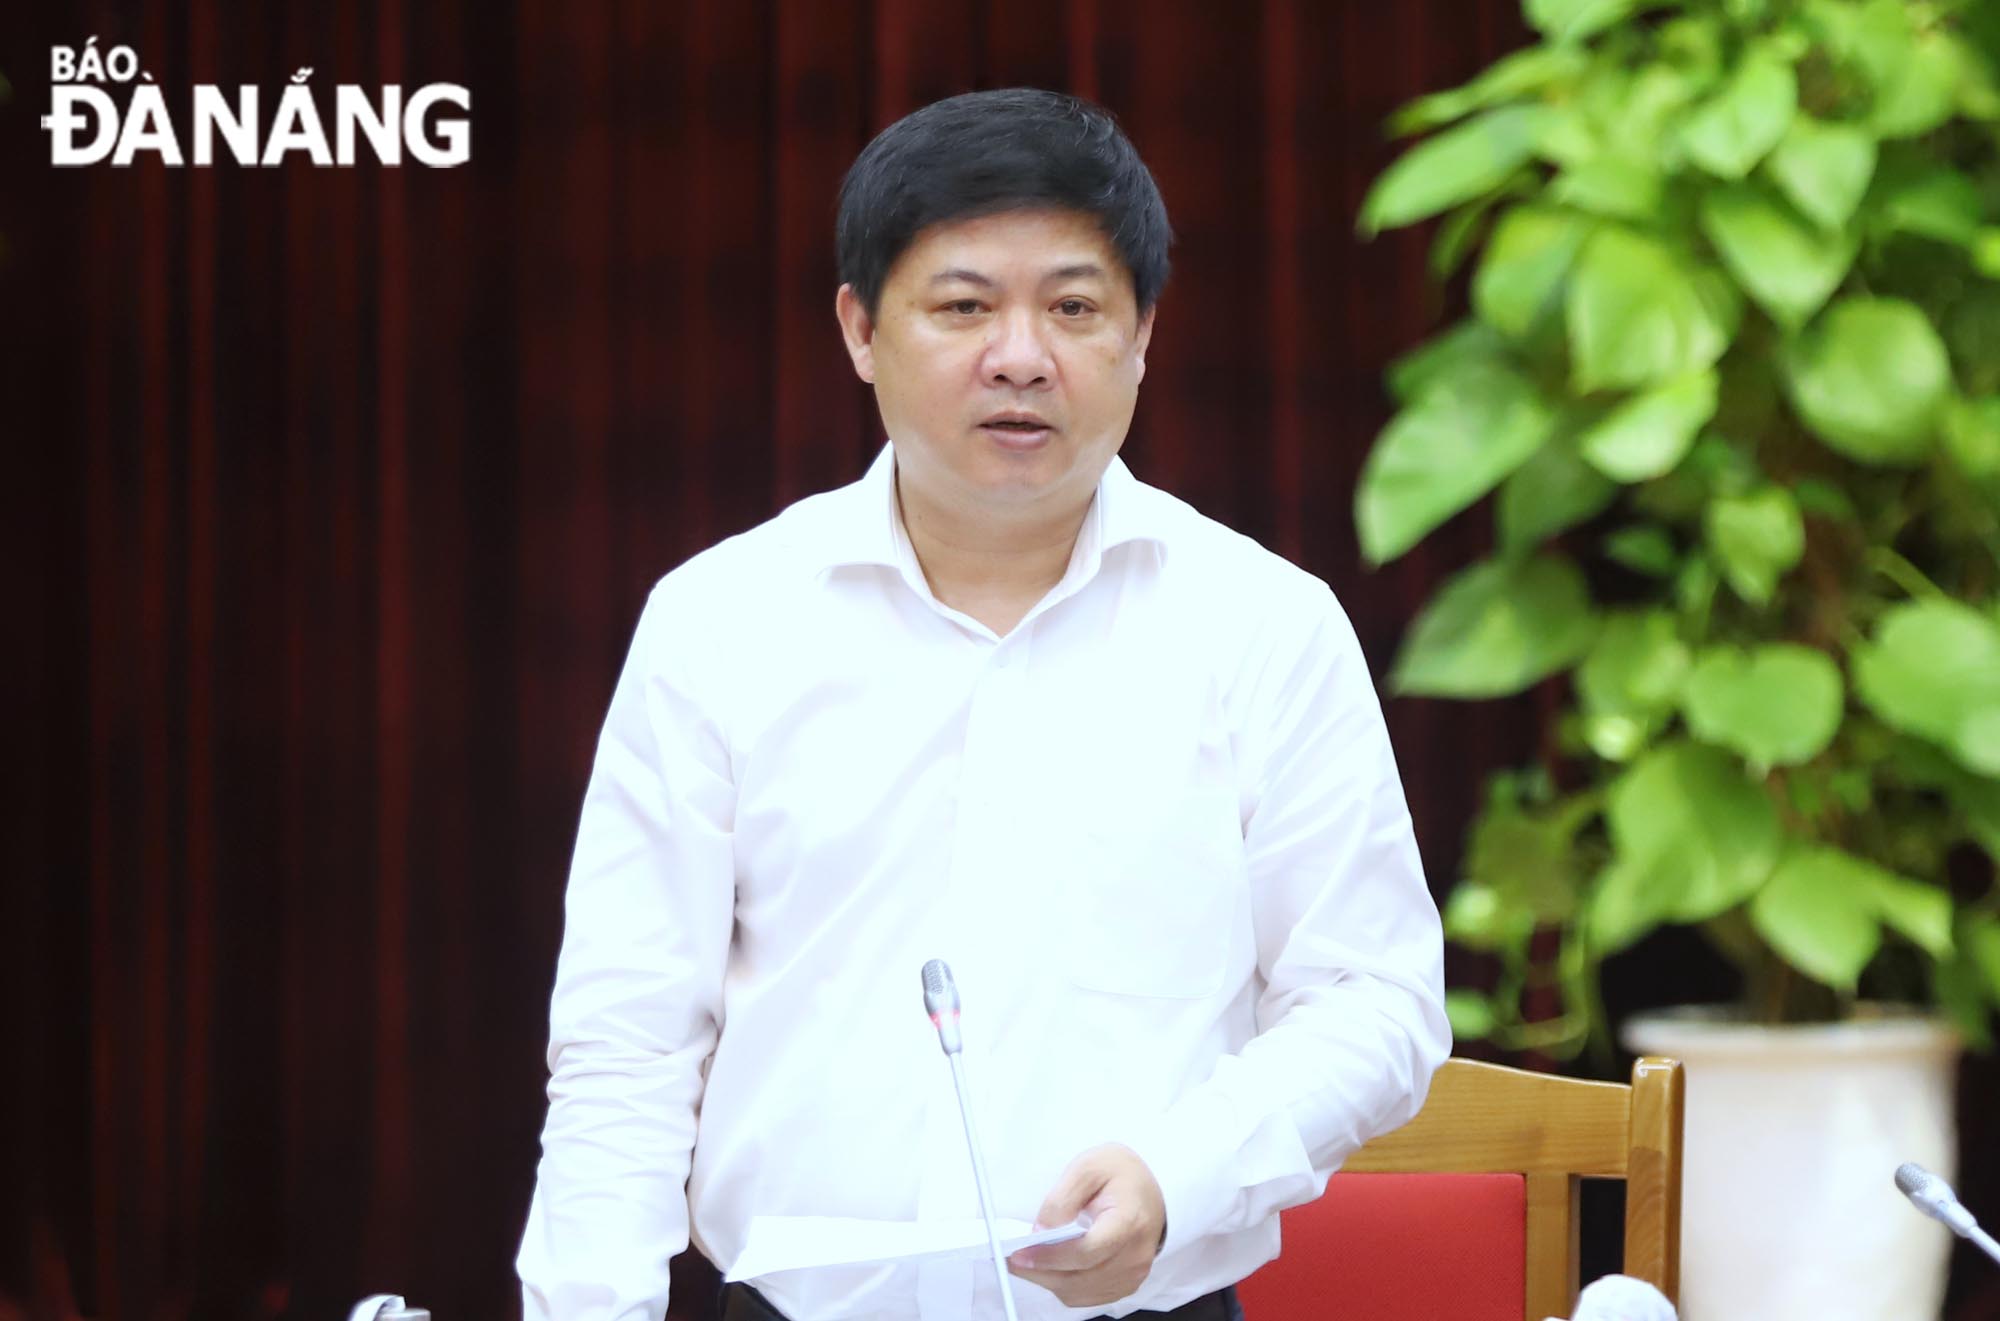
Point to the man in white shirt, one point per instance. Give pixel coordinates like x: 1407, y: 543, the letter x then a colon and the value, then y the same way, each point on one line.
x: 1002, y: 703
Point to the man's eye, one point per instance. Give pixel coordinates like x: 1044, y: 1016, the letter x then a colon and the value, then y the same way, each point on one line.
x: 1073, y: 307
x: 963, y: 306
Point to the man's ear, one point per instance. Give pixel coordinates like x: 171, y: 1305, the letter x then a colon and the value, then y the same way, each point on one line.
x: 858, y: 329
x: 1145, y: 337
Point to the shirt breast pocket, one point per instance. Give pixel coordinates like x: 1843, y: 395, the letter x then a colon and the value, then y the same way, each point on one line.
x: 1160, y: 887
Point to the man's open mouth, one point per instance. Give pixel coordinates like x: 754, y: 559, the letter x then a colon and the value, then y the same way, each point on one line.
x: 1025, y: 426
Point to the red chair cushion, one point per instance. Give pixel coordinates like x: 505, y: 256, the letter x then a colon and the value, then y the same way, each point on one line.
x: 1399, y: 1247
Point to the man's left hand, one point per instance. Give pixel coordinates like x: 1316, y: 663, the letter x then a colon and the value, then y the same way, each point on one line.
x: 1129, y: 1221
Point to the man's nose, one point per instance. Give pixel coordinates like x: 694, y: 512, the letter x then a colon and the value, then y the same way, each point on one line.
x: 1018, y: 354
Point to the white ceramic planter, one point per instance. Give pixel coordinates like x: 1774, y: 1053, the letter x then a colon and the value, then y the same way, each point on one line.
x: 1790, y: 1210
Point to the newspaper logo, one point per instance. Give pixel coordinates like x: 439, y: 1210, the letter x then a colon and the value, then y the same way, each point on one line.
x: 432, y: 125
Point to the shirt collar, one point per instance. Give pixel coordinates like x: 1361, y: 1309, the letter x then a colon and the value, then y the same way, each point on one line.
x: 865, y: 526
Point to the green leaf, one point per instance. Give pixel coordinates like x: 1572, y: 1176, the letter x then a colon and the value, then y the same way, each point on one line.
x: 1878, y: 36
x: 1694, y: 588
x: 1526, y: 261
x: 1457, y: 235
x: 1629, y: 899
x: 1693, y: 41
x: 1786, y: 265
x: 1740, y: 125
x: 1443, y: 452
x: 1982, y: 942
x: 1638, y: 315
x: 1466, y: 346
x: 1776, y: 705
x: 1824, y: 499
x: 1649, y: 433
x: 1470, y: 1012
x: 1923, y: 91
x: 1632, y: 114
x: 1722, y: 467
x: 1552, y: 491
x: 1637, y: 664
x: 1475, y: 918
x: 1961, y: 993
x: 1693, y: 805
x: 1933, y: 670
x: 1573, y: 20
x: 1977, y: 799
x: 1869, y: 379
x: 1496, y: 628
x: 1929, y: 200
x: 1525, y: 862
x: 1968, y: 984
x: 1919, y: 912
x: 1611, y: 185
x: 1508, y: 78
x: 1692, y: 836
x: 1756, y: 539
x: 1645, y: 548
x: 1979, y: 71
x: 1853, y: 788
x: 1971, y: 436
x: 1629, y: 681
x: 1824, y: 169
x: 1567, y: 137
x: 1985, y: 251
x: 1972, y: 329
x: 1455, y: 166
x: 1835, y: 25
x: 1815, y: 912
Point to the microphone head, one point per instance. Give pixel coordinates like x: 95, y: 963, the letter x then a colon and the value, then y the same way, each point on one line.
x: 1622, y: 1298
x: 941, y: 1003
x: 1934, y: 1197
x: 940, y: 991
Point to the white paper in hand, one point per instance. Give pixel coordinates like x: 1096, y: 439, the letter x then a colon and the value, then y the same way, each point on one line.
x: 791, y: 1243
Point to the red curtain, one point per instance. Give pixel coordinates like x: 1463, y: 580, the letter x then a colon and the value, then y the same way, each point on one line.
x: 340, y: 490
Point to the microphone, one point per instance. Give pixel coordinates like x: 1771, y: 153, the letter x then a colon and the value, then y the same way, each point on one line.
x: 1622, y: 1298
x: 941, y: 1002
x: 1934, y: 1197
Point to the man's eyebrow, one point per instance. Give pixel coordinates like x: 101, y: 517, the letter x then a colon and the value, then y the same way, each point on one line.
x: 1076, y: 271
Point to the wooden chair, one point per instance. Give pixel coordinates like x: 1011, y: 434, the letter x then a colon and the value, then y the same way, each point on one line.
x: 1388, y: 1248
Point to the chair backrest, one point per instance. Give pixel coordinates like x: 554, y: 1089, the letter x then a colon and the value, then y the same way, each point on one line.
x: 1492, y: 1167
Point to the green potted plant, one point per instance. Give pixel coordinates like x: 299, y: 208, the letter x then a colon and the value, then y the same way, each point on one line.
x: 1731, y: 381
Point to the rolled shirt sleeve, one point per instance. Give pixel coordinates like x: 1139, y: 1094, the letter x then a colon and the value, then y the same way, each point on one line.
x: 1350, y: 1018
x: 637, y: 1003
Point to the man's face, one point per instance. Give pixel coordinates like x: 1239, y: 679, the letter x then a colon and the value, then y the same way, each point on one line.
x: 1006, y: 355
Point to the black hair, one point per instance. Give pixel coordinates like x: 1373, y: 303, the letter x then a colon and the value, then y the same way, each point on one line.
x: 1013, y: 148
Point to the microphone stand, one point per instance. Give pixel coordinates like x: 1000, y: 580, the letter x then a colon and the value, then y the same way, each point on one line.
x: 941, y: 999
x: 985, y: 1189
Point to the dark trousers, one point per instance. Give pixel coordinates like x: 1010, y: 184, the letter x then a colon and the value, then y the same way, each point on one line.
x: 742, y: 1303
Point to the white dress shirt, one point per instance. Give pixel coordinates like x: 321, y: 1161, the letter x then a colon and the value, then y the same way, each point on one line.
x: 1156, y: 830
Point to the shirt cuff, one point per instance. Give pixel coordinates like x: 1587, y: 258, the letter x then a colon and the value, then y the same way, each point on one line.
x: 1191, y: 1150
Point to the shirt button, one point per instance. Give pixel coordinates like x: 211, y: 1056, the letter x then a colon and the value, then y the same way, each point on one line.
x: 1005, y: 660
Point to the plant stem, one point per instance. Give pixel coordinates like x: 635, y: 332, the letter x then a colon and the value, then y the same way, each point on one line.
x: 1903, y: 573
x: 1778, y: 982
